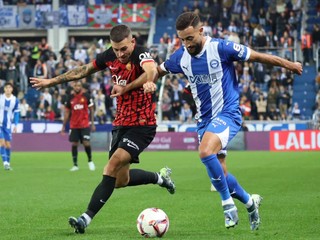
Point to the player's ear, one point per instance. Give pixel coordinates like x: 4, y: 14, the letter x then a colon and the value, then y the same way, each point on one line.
x: 201, y: 30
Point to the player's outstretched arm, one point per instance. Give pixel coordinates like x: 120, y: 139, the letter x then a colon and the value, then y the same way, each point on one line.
x: 72, y: 75
x: 295, y: 67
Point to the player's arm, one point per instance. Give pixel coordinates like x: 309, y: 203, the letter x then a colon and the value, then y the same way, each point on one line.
x: 150, y: 74
x: 72, y: 75
x: 295, y: 67
x: 91, y: 109
x: 65, y: 119
x: 150, y: 86
x: 16, y: 118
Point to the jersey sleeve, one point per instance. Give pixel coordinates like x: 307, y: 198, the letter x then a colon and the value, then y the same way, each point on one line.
x: 67, y: 103
x: 17, y: 106
x: 142, y: 55
x: 102, y: 58
x: 89, y: 99
x: 234, y: 51
x: 172, y: 64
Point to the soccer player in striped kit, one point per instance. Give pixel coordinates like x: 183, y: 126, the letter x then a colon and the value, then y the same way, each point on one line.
x: 208, y: 65
x: 9, y: 113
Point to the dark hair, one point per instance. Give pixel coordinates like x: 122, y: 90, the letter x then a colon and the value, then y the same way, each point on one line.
x: 119, y: 32
x: 187, y: 19
x: 8, y: 84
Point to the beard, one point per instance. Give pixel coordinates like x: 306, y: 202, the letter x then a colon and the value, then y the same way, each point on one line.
x: 195, y: 50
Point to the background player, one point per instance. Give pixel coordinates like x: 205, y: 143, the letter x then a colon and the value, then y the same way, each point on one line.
x: 78, y: 105
x: 9, y: 111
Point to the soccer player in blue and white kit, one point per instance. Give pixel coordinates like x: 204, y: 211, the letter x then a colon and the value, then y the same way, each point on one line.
x: 207, y: 63
x: 9, y: 111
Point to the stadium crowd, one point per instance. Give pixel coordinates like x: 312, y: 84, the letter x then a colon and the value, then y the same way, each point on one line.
x: 266, y: 93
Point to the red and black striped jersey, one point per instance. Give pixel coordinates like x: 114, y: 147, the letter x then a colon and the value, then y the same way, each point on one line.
x: 134, y: 108
x: 79, y: 105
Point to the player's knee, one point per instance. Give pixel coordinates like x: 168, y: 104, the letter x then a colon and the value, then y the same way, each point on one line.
x: 122, y: 182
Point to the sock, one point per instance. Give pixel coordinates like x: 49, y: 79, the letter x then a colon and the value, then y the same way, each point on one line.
x: 3, y: 154
x: 75, y: 155
x: 140, y: 177
x: 88, y: 151
x: 236, y: 190
x: 8, y: 154
x: 217, y: 177
x: 101, y: 195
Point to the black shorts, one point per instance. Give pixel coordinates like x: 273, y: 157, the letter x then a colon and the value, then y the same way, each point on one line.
x: 132, y: 139
x: 79, y: 134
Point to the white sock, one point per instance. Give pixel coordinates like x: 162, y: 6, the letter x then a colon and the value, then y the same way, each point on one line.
x: 249, y: 203
x: 160, y: 180
x: 228, y: 201
x: 87, y: 218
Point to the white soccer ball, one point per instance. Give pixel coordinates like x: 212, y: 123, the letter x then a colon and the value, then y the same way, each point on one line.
x: 152, y: 222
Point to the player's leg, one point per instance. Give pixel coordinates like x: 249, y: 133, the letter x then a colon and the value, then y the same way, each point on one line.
x: 74, y: 138
x: 214, y: 137
x: 251, y: 202
x: 121, y: 158
x: 142, y: 137
x: 7, y: 137
x: 8, y: 155
x: 85, y: 138
x: 2, y: 148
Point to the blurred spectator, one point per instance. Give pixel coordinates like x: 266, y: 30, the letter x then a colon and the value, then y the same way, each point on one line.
x: 306, y: 44
x: 166, y: 105
x: 272, y: 99
x: 80, y: 54
x: 49, y: 114
x: 24, y: 70
x: 13, y: 72
x: 100, y: 107
x: 24, y: 107
x: 296, y: 112
x: 261, y: 104
x: 245, y: 107
x: 207, y: 29
x: 186, y: 114
x: 272, y: 114
x: 316, y: 118
x: 259, y: 36
x: 40, y: 69
x: 318, y: 79
x: 283, y: 102
x: 286, y: 43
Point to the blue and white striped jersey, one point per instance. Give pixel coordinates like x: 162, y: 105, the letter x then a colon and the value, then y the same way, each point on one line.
x: 8, y: 107
x: 212, y: 76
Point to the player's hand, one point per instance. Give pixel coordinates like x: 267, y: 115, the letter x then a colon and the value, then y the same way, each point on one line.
x: 297, y: 68
x: 63, y: 131
x: 149, y: 87
x: 117, y: 91
x: 40, y: 83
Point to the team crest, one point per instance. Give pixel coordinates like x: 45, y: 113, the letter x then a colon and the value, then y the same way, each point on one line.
x: 214, y: 63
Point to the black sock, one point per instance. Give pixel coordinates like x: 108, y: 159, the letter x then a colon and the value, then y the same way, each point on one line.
x: 101, y: 195
x: 75, y: 155
x: 88, y: 151
x: 139, y: 177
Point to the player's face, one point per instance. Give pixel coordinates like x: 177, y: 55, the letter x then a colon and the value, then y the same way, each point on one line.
x: 8, y: 90
x: 77, y: 88
x: 192, y: 39
x: 123, y: 49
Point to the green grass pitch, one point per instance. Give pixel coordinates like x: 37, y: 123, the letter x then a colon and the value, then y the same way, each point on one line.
x: 39, y: 195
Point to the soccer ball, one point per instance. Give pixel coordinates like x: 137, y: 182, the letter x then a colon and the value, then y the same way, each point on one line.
x: 152, y: 222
